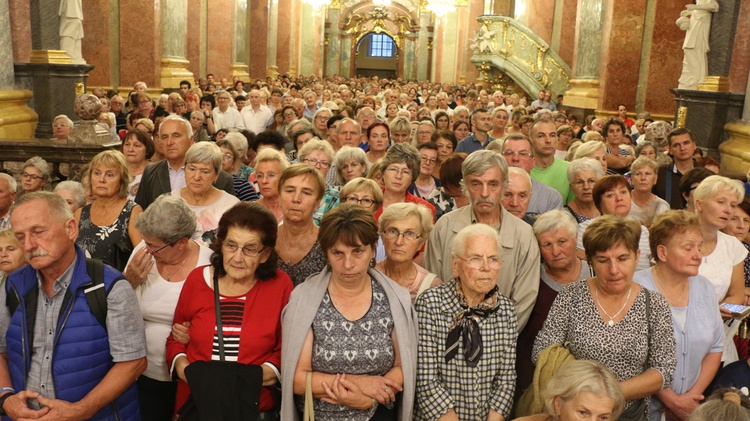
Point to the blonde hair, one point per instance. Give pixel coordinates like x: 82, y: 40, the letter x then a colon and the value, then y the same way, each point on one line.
x: 114, y: 159
x: 580, y: 376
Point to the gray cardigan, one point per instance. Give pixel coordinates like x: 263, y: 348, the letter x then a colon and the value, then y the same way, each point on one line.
x: 297, y: 319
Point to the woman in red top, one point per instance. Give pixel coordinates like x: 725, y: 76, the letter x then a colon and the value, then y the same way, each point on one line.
x: 252, y: 294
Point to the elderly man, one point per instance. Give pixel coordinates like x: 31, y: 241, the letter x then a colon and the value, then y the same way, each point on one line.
x: 348, y: 133
x: 116, y: 106
x: 176, y: 137
x: 61, y: 359
x: 517, y: 195
x: 224, y: 116
x: 548, y: 169
x: 311, y: 105
x: 458, y: 378
x: 482, y: 122
x: 519, y: 153
x: 61, y: 127
x: 256, y: 115
x: 8, y: 189
x: 365, y: 117
x: 485, y: 175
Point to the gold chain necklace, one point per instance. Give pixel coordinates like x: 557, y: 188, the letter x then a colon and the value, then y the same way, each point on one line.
x: 611, y: 321
x: 169, y: 278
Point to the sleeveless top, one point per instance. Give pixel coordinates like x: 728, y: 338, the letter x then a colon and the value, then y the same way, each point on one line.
x: 362, y: 347
x: 313, y: 262
x: 100, y: 241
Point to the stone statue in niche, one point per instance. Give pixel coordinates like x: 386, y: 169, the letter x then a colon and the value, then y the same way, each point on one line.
x: 482, y: 40
x: 695, y: 20
x: 71, y: 29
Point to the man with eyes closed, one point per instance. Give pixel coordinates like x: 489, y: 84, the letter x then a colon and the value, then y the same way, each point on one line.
x: 485, y: 177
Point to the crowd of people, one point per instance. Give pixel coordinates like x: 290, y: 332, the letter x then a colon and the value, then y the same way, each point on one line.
x: 370, y: 249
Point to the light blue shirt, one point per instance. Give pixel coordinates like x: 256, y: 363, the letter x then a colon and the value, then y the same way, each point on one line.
x: 701, y: 335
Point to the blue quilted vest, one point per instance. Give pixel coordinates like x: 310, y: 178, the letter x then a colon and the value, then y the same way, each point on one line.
x: 81, y: 357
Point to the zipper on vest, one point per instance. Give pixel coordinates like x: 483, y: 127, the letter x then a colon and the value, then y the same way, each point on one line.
x: 24, y: 333
x: 60, y: 326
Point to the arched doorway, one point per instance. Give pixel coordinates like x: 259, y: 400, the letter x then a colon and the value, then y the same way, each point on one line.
x: 377, y: 55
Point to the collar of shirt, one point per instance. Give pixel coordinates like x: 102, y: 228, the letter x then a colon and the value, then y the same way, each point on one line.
x: 62, y: 282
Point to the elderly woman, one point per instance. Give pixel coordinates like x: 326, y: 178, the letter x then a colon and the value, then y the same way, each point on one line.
x: 425, y: 183
x: 230, y: 161
x: 350, y: 163
x: 645, y: 205
x: 499, y: 122
x: 320, y: 121
x: 73, y: 193
x: 611, y: 196
x: 583, y: 173
x: 724, y: 404
x: 446, y: 142
x: 349, y: 309
x: 62, y: 125
x: 378, y: 137
x: 557, y: 234
x: 391, y: 110
x: 400, y: 166
x: 301, y: 187
x: 442, y: 121
x: 613, y: 320
x: 138, y: 148
x: 676, y: 239
x: 202, y: 168
x: 200, y: 133
x: 363, y: 192
x: 580, y: 390
x: 400, y: 129
x: 157, y: 270
x: 106, y: 227
x: 35, y: 175
x: 425, y: 129
x: 251, y: 293
x: 270, y: 163
x: 593, y: 149
x: 449, y: 195
x: 647, y: 149
x: 565, y: 136
x: 723, y: 255
x: 739, y: 226
x: 319, y: 154
x: 145, y: 106
x: 240, y: 143
x: 299, y: 137
x: 404, y: 228
x: 473, y: 378
x: 12, y: 256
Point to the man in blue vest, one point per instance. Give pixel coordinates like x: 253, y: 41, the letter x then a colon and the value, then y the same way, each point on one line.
x: 57, y: 359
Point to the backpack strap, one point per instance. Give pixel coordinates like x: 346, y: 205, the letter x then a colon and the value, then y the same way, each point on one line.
x: 95, y: 292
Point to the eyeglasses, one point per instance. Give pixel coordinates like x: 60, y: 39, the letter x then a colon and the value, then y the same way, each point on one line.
x: 521, y: 154
x: 322, y: 118
x: 145, y: 101
x: 367, y: 116
x: 30, y: 176
x: 228, y: 156
x: 314, y: 162
x: 230, y: 247
x: 393, y: 234
x: 366, y: 202
x: 290, y: 115
x: 221, y: 98
x: 424, y: 132
x: 582, y: 183
x: 478, y: 262
x: 59, y: 126
x: 395, y: 171
x: 160, y: 248
x: 428, y: 160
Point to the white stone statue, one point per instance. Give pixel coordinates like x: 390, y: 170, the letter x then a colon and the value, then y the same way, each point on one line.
x: 696, y: 21
x: 71, y: 29
x: 482, y: 40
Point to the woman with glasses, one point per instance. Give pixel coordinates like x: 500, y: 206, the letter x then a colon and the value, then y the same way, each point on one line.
x: 400, y: 166
x: 251, y: 293
x: 230, y: 162
x: 583, y: 173
x: 157, y: 270
x: 351, y: 330
x: 319, y: 154
x: 35, y: 174
x: 289, y: 114
x: 426, y: 183
x: 467, y: 336
x: 404, y: 228
x: 269, y: 164
x: 320, y: 121
x: 301, y: 188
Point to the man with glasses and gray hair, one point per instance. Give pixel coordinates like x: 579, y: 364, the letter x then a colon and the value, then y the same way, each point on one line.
x: 485, y: 177
x: 224, y: 116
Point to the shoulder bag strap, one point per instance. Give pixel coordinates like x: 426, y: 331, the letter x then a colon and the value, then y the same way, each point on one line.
x: 648, y: 322
x: 219, y: 328
x: 426, y: 282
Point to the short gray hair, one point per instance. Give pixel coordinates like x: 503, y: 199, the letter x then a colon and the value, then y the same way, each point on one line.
x: 40, y: 164
x: 58, y: 207
x: 349, y: 120
x: 475, y: 230
x: 169, y: 219
x: 204, y: 153
x: 584, y: 164
x: 480, y: 161
x: 238, y: 140
x: 644, y: 161
x: 74, y: 187
x: 400, y: 124
x: 403, y: 210
x: 271, y: 154
x: 316, y: 144
x: 300, y: 121
x: 346, y: 154
x: 175, y: 117
x: 554, y: 220
x: 402, y: 153
x: 712, y: 185
x: 12, y: 183
x: 589, y: 147
x: 67, y: 119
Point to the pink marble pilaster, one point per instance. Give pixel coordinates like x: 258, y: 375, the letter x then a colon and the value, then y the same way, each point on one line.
x: 540, y: 14
x: 220, y: 42
x: 568, y: 31
x: 193, y: 46
x: 738, y: 71
x: 283, y: 36
x: 95, y: 46
x: 20, y: 22
x: 258, y: 39
x: 140, y: 42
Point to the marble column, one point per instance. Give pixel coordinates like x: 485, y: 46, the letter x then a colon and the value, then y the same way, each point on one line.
x: 244, y: 31
x: 273, y: 25
x: 174, y: 64
x: 17, y: 120
x: 283, y: 37
x: 257, y: 36
x: 584, y: 87
x: 220, y: 31
x: 333, y: 42
x: 424, y: 45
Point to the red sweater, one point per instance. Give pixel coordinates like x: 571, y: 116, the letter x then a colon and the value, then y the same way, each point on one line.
x: 260, y: 340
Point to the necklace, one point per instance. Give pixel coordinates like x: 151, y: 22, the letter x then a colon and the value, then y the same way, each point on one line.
x: 664, y: 289
x: 169, y: 278
x: 611, y: 321
x: 290, y: 258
